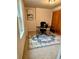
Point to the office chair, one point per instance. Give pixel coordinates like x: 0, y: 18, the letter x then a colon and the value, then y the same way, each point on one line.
x: 43, y: 27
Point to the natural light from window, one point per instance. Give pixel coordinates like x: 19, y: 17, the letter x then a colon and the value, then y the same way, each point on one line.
x: 20, y: 18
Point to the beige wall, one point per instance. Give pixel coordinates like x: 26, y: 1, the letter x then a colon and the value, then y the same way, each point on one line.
x: 21, y: 42
x: 43, y: 15
x: 40, y: 14
x: 31, y: 24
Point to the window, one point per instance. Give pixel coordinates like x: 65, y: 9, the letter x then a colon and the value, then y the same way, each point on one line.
x: 20, y: 18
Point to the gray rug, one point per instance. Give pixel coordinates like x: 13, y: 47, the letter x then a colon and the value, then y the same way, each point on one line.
x: 38, y: 41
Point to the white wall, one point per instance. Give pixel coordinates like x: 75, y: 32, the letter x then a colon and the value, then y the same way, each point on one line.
x: 40, y: 14
x: 31, y: 24
x: 43, y: 15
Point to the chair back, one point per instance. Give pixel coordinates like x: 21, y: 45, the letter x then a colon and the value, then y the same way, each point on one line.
x: 43, y: 25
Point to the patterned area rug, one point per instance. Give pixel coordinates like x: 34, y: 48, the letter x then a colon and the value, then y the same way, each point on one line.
x: 38, y: 41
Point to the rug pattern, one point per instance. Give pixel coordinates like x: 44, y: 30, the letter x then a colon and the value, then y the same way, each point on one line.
x: 38, y: 41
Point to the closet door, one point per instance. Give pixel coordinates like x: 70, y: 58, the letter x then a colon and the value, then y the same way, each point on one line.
x: 56, y: 21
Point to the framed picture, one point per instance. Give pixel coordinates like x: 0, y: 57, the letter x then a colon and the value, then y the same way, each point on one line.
x: 30, y: 14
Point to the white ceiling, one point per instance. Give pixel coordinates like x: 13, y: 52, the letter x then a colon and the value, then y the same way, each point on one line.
x: 41, y: 3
